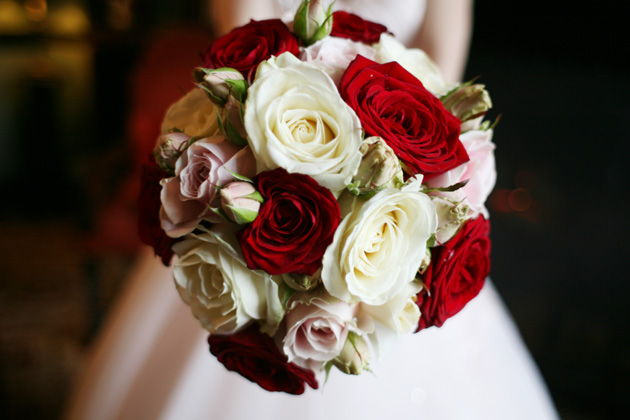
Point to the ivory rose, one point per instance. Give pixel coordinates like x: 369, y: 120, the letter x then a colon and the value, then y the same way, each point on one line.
x: 206, y: 164
x: 379, y: 245
x: 316, y: 331
x: 194, y: 114
x: 400, y: 314
x: 296, y: 120
x: 223, y: 294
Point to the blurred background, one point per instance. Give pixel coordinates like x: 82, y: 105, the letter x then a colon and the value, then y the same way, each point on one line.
x: 83, y: 87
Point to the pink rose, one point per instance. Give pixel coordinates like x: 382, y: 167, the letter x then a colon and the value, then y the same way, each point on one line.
x: 480, y: 172
x: 186, y: 197
x: 316, y: 332
x: 334, y: 55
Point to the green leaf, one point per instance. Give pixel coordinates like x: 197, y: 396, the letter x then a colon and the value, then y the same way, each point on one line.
x: 256, y: 196
x: 221, y: 126
x: 234, y: 136
x: 219, y: 211
x: 239, y: 177
x: 327, y: 368
x: 450, y: 188
x: 285, y: 293
x: 239, y: 88
x: 300, y: 21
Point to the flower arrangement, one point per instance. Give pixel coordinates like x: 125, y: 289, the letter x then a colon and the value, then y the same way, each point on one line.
x: 323, y: 189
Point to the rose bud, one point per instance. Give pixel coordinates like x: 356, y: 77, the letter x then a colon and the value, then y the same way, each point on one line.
x: 469, y: 103
x: 240, y: 202
x: 302, y: 282
x: 425, y: 262
x: 231, y: 122
x: 354, y: 355
x: 169, y: 148
x: 311, y: 22
x: 379, y: 167
x: 221, y: 83
x: 451, y: 215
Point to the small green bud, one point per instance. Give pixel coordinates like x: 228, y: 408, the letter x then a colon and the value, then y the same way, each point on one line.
x: 311, y: 22
x: 240, y: 202
x: 354, y: 355
x: 379, y: 168
x: 302, y: 282
x: 469, y: 103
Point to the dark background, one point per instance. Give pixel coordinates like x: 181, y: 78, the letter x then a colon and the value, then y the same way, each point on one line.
x: 556, y: 74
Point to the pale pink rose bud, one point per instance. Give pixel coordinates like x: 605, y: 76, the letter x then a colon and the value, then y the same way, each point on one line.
x: 354, y: 355
x: 312, y: 22
x: 468, y: 103
x: 188, y: 197
x: 240, y: 201
x: 379, y: 167
x: 302, y: 282
x: 222, y: 83
x: 169, y: 148
x: 451, y: 215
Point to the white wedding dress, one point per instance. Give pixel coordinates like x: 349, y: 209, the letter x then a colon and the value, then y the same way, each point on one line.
x: 152, y: 362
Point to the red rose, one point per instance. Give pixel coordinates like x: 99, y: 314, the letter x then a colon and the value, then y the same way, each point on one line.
x: 347, y: 25
x: 294, y: 226
x: 456, y: 273
x: 254, y: 355
x: 149, y: 228
x: 393, y: 104
x: 249, y: 45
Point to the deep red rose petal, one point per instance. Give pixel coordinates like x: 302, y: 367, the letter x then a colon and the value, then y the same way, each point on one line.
x: 456, y: 274
x: 254, y: 355
x: 390, y: 102
x: 245, y: 47
x: 348, y: 25
x: 294, y: 226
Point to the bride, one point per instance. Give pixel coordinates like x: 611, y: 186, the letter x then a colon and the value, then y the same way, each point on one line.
x: 151, y: 360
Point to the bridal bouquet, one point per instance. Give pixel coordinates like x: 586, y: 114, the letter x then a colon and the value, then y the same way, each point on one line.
x: 323, y: 189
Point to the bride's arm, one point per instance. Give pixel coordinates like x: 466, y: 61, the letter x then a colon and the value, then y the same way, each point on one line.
x: 226, y: 15
x: 445, y: 35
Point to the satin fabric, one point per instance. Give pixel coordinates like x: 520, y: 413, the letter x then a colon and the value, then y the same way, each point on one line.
x: 152, y: 362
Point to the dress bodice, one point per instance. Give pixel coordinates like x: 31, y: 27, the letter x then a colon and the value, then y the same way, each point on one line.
x: 402, y: 17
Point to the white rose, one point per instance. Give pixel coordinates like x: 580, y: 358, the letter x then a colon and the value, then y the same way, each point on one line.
x: 415, y: 61
x: 480, y: 171
x: 316, y: 331
x: 400, y: 313
x: 194, y: 114
x: 333, y: 55
x: 296, y: 120
x: 379, y: 246
x: 223, y: 294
